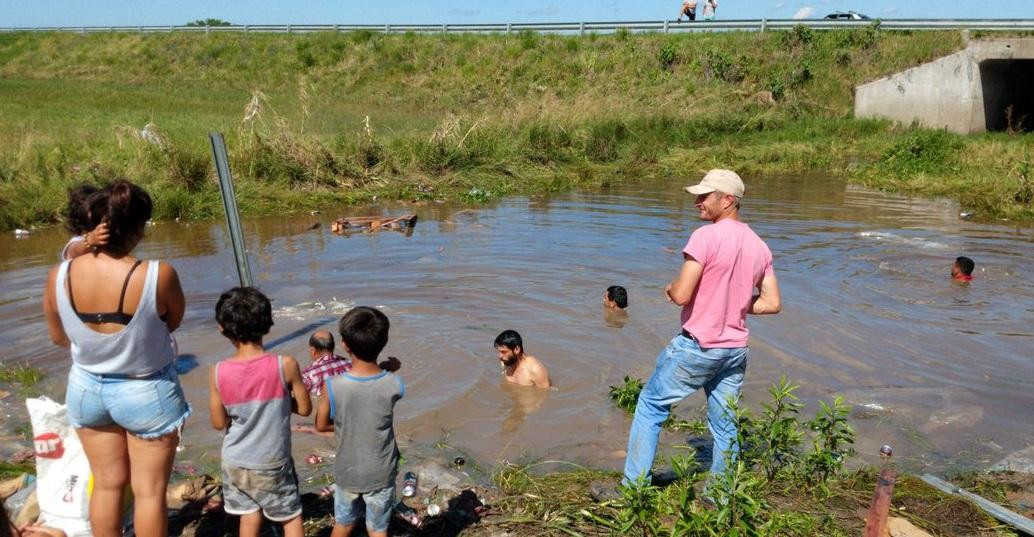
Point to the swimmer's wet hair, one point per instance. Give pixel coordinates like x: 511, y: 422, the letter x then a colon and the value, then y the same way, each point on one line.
x: 322, y: 342
x: 509, y: 339
x: 77, y: 215
x: 966, y: 265
x: 364, y: 330
x: 244, y: 314
x: 618, y: 295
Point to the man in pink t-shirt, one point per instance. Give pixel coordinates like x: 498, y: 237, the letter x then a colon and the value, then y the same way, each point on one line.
x: 723, y: 264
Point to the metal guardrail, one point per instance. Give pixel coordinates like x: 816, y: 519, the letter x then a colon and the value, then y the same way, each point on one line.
x: 665, y: 26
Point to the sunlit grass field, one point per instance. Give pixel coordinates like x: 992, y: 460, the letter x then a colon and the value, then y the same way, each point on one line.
x: 319, y: 119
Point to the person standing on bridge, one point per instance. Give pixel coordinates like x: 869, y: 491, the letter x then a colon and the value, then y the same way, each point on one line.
x: 689, y: 9
x: 710, y: 9
x: 723, y: 263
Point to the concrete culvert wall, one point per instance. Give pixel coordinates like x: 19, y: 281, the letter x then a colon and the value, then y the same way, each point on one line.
x: 987, y: 86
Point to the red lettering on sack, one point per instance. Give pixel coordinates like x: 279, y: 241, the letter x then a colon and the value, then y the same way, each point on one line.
x: 49, y: 446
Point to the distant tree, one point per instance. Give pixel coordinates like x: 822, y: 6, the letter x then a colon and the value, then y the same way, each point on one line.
x: 210, y: 22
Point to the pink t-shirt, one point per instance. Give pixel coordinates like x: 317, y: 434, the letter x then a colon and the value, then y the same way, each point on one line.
x: 735, y: 261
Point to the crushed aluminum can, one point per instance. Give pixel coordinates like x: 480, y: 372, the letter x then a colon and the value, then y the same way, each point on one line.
x: 409, y: 484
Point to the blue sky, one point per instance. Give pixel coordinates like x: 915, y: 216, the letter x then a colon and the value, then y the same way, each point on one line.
x: 162, y: 12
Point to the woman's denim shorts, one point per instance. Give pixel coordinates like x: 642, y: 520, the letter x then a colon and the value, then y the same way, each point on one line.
x: 148, y: 407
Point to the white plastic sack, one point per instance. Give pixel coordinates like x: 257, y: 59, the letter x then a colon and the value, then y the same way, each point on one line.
x: 62, y: 471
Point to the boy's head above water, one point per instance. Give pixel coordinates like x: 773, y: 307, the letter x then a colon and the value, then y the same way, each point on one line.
x: 615, y: 297
x: 321, y: 343
x: 962, y: 269
x: 364, y: 333
x: 244, y: 315
x: 510, y: 347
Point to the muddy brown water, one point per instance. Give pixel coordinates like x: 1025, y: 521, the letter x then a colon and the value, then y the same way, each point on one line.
x: 941, y: 371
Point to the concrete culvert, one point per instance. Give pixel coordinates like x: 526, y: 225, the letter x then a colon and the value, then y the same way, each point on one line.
x: 986, y: 87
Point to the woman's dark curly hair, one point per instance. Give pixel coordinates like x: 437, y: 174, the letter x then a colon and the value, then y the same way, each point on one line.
x: 126, y: 208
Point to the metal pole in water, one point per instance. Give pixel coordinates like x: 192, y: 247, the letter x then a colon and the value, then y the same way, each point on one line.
x: 233, y: 218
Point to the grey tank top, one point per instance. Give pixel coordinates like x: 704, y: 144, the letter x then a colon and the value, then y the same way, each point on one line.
x: 142, y: 347
x: 255, y: 395
x: 364, y: 414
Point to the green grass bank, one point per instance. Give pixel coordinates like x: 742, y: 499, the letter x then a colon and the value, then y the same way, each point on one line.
x: 320, y: 119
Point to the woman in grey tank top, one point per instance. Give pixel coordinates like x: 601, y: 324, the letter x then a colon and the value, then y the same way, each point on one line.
x: 116, y: 315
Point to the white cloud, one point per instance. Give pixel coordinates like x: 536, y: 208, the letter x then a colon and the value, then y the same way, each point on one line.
x: 804, y: 12
x: 464, y: 12
x: 779, y: 5
x: 890, y: 9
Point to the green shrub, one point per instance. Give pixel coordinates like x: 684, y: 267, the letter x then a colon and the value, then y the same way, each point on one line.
x: 361, y: 36
x: 1025, y: 174
x: 528, y: 39
x: 922, y: 151
x: 801, y: 74
x: 719, y: 65
x: 186, y: 168
x: 547, y: 143
x: 304, y: 54
x: 626, y: 394
x: 842, y: 57
x: 667, y: 55
x: 832, y: 442
x: 605, y: 139
x: 800, y: 36
x: 23, y: 374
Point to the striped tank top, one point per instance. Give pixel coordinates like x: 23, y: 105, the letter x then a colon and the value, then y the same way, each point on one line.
x: 258, y: 402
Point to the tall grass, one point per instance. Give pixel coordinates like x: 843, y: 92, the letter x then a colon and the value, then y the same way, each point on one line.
x: 320, y: 119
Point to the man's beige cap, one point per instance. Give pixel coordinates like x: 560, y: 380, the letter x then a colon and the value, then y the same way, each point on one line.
x: 725, y: 181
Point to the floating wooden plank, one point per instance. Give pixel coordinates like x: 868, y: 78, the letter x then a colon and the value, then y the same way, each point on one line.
x: 1011, y: 518
x: 373, y: 222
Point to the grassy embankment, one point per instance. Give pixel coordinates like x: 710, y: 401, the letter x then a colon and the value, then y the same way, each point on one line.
x: 468, y: 116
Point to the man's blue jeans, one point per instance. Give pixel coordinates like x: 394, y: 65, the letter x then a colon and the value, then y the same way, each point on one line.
x: 683, y: 367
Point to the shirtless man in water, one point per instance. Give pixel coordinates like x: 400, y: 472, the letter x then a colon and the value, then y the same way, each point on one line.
x: 519, y: 368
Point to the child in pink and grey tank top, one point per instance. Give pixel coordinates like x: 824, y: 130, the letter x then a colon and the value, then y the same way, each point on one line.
x: 253, y: 394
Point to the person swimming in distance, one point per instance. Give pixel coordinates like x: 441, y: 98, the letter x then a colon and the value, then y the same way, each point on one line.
x: 615, y: 297
x: 520, y: 368
x: 962, y: 269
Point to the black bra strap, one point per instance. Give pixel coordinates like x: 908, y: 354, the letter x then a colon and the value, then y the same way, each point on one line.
x: 68, y: 282
x: 117, y: 317
x: 125, y: 285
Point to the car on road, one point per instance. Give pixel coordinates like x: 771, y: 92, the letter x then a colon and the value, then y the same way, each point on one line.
x: 847, y: 15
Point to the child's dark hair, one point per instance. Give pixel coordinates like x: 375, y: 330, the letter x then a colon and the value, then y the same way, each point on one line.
x: 365, y: 331
x: 618, y: 295
x: 244, y: 314
x: 509, y: 339
x: 77, y: 215
x: 126, y: 208
x: 966, y: 265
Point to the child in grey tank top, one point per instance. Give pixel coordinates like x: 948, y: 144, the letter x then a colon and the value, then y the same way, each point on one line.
x: 359, y: 406
x: 253, y: 394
